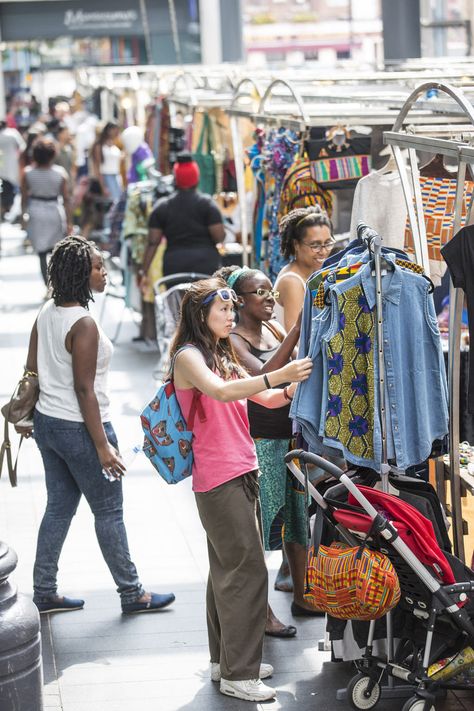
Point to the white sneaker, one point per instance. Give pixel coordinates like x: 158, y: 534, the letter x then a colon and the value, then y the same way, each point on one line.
x: 266, y: 670
x: 248, y: 690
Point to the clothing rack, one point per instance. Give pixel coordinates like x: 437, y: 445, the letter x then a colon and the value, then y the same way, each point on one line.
x: 373, y: 242
x: 464, y: 155
x: 253, y: 94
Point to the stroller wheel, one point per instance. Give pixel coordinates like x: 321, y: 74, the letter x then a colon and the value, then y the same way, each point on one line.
x: 416, y: 704
x: 358, y: 694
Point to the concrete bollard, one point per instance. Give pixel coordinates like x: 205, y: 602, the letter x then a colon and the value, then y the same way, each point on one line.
x: 20, y: 644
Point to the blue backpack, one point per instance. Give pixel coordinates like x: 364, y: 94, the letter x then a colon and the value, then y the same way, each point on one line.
x: 168, y: 438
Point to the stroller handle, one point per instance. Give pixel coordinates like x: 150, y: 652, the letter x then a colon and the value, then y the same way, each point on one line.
x: 309, y: 458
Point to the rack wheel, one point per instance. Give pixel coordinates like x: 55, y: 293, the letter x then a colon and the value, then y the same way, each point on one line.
x: 416, y: 704
x: 357, y: 692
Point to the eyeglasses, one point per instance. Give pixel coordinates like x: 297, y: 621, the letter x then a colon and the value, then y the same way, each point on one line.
x: 317, y: 247
x: 224, y: 294
x: 263, y: 293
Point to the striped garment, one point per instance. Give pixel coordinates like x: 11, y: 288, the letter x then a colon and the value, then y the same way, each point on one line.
x: 439, y: 197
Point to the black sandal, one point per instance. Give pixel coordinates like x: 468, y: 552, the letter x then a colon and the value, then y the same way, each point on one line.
x: 284, y: 632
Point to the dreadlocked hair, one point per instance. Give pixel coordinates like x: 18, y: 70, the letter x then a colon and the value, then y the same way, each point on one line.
x: 226, y: 272
x: 193, y: 329
x: 69, y: 270
x: 293, y: 226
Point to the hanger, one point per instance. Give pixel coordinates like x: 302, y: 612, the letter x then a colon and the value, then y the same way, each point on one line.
x: 435, y: 168
x: 391, y: 164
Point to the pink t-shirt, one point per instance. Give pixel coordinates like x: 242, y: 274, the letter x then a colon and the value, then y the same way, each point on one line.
x: 222, y: 446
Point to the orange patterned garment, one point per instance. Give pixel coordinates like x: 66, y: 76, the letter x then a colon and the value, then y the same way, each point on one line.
x: 439, y: 197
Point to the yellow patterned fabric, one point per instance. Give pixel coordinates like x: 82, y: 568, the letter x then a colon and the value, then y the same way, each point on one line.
x: 346, y: 272
x: 350, y: 362
x: 351, y: 583
x: 439, y: 197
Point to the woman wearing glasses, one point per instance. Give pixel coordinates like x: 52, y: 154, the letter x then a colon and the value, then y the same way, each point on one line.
x: 306, y: 241
x: 225, y: 482
x: 262, y: 347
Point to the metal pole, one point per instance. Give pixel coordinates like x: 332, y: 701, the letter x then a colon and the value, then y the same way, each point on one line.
x: 174, y: 31
x: 456, y: 301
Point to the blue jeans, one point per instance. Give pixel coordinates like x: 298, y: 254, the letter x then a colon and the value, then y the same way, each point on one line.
x: 113, y: 183
x: 72, y: 468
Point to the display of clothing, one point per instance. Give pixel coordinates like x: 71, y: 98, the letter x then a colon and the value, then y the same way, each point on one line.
x: 337, y: 408
x: 255, y: 155
x: 279, y: 154
x: 379, y: 202
x: 438, y: 198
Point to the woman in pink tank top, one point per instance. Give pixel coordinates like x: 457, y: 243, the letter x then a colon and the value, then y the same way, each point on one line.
x: 225, y: 481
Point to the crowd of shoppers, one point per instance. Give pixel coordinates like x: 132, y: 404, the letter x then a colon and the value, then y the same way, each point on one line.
x: 235, y: 344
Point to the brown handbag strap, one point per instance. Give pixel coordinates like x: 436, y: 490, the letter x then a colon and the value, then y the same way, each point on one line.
x: 278, y: 335
x: 6, y: 453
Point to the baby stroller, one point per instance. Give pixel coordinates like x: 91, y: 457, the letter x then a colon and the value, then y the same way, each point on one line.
x: 169, y: 292
x: 437, y: 590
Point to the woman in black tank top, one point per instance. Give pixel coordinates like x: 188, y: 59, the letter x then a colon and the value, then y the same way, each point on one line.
x: 262, y: 346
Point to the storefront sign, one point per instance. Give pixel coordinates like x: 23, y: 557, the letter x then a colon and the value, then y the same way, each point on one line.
x: 82, y: 21
x: 77, y: 18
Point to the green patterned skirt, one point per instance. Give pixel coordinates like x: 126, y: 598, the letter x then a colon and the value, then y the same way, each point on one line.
x: 281, y: 495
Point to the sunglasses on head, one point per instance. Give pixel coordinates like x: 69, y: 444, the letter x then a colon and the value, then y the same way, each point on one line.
x: 224, y: 294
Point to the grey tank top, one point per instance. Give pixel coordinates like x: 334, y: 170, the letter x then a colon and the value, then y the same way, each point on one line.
x: 45, y: 183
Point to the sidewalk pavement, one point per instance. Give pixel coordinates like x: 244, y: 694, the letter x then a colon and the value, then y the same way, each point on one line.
x: 96, y: 659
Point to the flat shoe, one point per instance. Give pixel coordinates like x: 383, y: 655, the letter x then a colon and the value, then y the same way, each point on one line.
x: 58, y: 604
x: 157, y: 602
x: 285, y: 632
x: 298, y: 611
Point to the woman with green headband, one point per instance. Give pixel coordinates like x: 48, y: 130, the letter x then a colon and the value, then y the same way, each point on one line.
x: 262, y: 347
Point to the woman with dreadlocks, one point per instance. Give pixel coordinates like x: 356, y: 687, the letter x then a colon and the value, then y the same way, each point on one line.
x: 306, y: 241
x: 72, y: 429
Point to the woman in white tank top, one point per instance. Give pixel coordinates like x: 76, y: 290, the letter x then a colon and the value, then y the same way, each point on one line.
x: 72, y: 429
x: 106, y: 161
x: 306, y: 240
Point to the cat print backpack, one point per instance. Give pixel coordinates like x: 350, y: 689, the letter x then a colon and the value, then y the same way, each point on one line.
x: 168, y: 437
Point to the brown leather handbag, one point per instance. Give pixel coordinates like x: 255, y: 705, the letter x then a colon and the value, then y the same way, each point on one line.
x: 18, y: 411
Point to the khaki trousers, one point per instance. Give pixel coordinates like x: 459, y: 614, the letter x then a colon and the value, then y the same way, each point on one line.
x: 237, y: 588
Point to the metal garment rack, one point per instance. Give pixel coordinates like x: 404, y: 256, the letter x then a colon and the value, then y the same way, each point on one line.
x: 238, y: 149
x: 464, y: 155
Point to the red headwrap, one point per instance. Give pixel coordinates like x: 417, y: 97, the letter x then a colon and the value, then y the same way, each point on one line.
x: 186, y: 174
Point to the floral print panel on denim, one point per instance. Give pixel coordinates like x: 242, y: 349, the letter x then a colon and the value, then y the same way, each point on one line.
x: 350, y: 365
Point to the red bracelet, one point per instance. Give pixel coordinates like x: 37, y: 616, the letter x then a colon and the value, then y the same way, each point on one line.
x: 285, y: 394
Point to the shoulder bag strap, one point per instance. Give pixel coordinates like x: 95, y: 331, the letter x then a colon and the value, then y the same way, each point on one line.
x: 196, y: 404
x: 6, y: 453
x: 278, y: 335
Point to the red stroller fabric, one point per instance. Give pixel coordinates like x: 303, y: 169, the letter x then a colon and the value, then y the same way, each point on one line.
x: 414, y: 528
